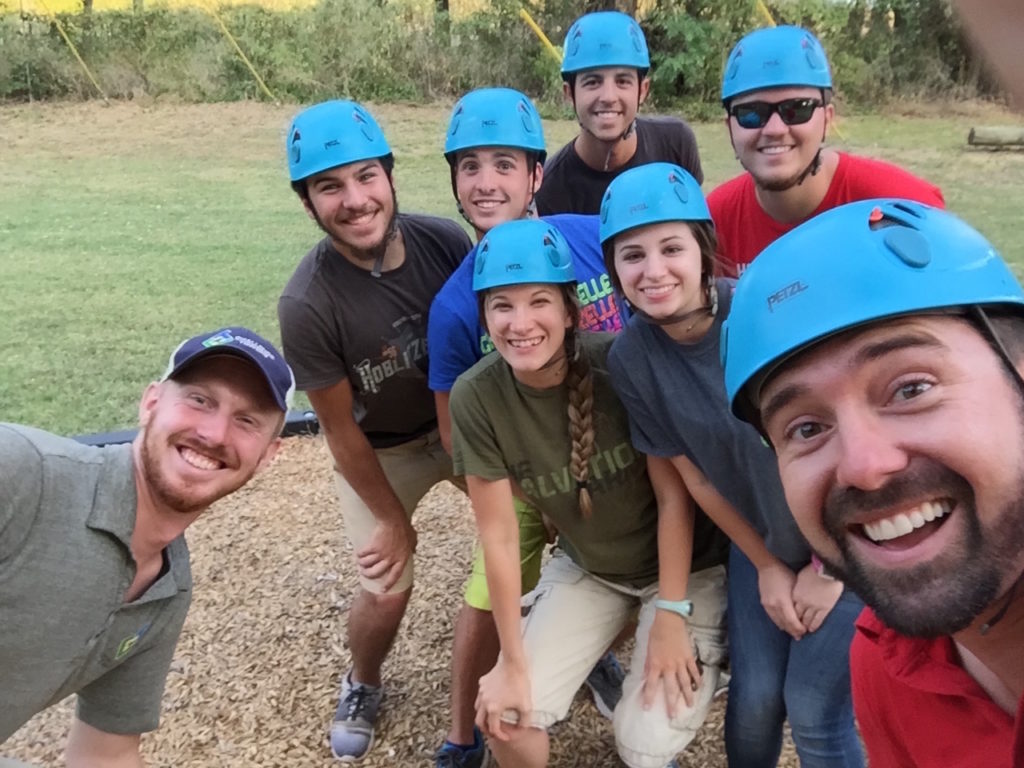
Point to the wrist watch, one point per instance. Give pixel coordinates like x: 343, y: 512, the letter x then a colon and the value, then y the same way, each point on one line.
x: 683, y: 608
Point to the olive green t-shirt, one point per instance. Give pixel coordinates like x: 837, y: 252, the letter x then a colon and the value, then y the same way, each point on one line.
x: 504, y: 429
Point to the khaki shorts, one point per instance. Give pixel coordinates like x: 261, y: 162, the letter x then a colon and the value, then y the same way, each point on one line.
x: 412, y: 468
x: 570, y: 620
x: 533, y: 535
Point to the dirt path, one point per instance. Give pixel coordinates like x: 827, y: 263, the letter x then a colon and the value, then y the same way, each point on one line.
x: 253, y: 681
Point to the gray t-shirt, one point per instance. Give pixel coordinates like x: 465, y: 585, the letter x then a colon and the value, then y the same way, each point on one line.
x: 572, y: 186
x: 339, y: 321
x: 675, y: 395
x: 67, y: 512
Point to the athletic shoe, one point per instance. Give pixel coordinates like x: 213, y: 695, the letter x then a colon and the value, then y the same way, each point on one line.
x: 352, y: 729
x: 453, y: 756
x: 722, y: 689
x: 605, y: 682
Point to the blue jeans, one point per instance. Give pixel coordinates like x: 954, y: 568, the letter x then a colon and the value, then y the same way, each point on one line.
x: 774, y: 676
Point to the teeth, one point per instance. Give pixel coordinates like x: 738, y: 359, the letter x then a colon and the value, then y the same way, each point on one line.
x: 197, y: 460
x: 774, y: 150
x: 903, y: 523
x: 523, y: 343
x: 659, y: 290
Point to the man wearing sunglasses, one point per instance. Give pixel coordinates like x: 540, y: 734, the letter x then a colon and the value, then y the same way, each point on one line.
x: 777, y: 93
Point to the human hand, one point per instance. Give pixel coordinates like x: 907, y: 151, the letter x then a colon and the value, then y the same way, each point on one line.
x: 775, y: 584
x: 506, y: 687
x: 389, y: 549
x: 814, y: 596
x: 670, y: 660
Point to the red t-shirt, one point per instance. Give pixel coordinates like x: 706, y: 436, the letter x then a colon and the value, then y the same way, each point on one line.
x: 744, y: 229
x: 918, y: 708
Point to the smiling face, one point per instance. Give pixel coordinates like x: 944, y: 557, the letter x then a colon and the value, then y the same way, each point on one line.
x: 495, y: 185
x: 606, y: 100
x: 776, y: 154
x: 355, y: 205
x: 205, y: 433
x: 901, y: 450
x: 659, y: 268
x: 527, y: 324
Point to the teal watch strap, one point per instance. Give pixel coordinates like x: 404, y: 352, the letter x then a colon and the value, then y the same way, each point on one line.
x: 683, y: 607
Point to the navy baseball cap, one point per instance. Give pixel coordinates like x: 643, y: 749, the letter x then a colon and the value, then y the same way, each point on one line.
x: 245, y: 344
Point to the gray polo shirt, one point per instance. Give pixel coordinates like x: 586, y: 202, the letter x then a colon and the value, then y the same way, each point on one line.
x: 67, y: 512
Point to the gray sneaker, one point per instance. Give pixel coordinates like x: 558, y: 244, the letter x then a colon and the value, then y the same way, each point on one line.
x: 352, y: 729
x: 605, y: 682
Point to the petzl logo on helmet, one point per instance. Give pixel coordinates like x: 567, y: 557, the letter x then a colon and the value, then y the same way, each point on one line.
x: 222, y: 337
x: 513, y: 267
x: 782, y: 294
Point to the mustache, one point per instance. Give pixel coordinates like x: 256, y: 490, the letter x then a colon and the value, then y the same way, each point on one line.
x: 214, y: 451
x: 922, y: 479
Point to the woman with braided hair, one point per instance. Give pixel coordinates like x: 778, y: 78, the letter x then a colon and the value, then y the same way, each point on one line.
x: 540, y: 420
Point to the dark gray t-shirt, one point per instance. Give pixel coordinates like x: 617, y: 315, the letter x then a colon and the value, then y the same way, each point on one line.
x: 67, y: 513
x: 675, y: 395
x: 572, y: 186
x: 338, y: 321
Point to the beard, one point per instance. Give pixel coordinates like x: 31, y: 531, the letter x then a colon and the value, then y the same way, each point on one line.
x: 183, y: 500
x: 947, y: 593
x: 376, y: 251
x: 781, y: 185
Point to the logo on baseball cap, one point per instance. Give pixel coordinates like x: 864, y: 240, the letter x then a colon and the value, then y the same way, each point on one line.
x: 245, y: 344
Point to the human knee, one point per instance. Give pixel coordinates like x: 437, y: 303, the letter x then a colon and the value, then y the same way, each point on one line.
x: 650, y: 738
x: 385, y: 603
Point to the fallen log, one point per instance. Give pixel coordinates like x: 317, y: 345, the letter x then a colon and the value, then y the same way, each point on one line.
x: 996, y: 136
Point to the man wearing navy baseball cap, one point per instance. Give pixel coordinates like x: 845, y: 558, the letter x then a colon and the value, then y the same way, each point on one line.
x: 93, y: 560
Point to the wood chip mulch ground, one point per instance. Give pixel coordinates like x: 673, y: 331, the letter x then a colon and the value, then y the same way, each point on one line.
x: 254, y: 680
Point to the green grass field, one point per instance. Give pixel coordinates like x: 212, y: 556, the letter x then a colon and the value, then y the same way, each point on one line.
x: 126, y: 228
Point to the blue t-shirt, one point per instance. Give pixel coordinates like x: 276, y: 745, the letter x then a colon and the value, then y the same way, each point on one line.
x: 455, y: 338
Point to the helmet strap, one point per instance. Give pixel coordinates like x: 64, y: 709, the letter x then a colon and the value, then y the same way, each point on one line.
x: 710, y: 309
x: 992, y: 335
x: 810, y: 170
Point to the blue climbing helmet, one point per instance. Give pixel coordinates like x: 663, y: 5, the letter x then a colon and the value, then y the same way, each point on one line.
x: 330, y: 134
x: 522, y: 251
x: 775, y: 57
x: 604, y: 39
x: 650, y: 194
x: 494, y: 117
x: 851, y: 266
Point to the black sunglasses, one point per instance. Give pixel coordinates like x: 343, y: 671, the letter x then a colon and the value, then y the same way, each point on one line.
x: 756, y: 114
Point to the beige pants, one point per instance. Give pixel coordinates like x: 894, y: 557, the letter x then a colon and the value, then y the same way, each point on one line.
x: 412, y: 468
x: 572, y: 617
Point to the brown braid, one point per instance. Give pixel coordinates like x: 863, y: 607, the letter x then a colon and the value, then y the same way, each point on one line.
x: 580, y: 381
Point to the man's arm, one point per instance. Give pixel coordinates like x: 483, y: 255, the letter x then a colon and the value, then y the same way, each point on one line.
x: 394, y: 539
x: 90, y: 747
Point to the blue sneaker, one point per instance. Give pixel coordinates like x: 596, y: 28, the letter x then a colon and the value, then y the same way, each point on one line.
x: 453, y: 756
x: 352, y: 728
x: 605, y: 683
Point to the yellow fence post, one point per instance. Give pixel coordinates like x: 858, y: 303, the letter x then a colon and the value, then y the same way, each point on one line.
x: 81, y: 61
x: 763, y: 10
x: 525, y: 16
x: 239, y: 51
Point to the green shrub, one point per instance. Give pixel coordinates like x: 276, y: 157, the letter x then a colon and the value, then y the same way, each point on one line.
x: 396, y: 50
